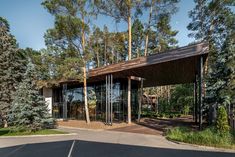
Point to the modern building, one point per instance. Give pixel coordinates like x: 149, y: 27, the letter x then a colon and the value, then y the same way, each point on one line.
x: 108, y: 86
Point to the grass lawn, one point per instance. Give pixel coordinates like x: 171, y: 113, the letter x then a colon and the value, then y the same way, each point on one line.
x: 10, y: 132
x: 207, y: 137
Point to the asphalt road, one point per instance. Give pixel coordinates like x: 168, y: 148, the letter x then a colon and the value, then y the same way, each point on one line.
x: 79, y: 148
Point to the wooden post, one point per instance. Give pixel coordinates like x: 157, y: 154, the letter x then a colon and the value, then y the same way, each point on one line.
x: 64, y: 102
x: 200, y: 91
x: 129, y: 101
x: 195, y: 101
x: 140, y: 98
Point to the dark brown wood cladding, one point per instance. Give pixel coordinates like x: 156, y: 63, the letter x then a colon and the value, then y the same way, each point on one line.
x: 175, y: 54
x: 171, y: 67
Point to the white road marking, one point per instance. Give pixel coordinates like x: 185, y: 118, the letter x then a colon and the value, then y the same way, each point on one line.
x: 71, y: 149
x: 12, y: 152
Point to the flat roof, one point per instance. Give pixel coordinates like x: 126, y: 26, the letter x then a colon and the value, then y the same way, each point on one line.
x: 174, y: 66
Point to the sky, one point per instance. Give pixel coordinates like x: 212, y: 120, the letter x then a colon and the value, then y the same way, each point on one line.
x: 29, y: 21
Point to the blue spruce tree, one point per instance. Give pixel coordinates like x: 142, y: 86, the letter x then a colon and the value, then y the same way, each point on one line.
x: 29, y: 111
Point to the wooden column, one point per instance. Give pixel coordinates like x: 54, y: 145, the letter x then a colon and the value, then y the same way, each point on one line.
x: 195, y: 101
x: 64, y: 102
x: 129, y: 101
x: 200, y: 90
x: 140, y: 99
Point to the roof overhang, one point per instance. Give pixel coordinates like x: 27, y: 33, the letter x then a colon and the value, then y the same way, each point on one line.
x: 175, y: 66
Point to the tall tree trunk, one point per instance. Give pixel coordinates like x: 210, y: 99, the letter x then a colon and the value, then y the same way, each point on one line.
x: 113, y: 56
x: 97, y: 56
x: 129, y: 34
x: 84, y: 74
x: 105, y: 50
x: 5, y: 123
x: 85, y: 96
x: 148, y: 27
x: 138, y: 52
x: 129, y: 58
x: 98, y: 61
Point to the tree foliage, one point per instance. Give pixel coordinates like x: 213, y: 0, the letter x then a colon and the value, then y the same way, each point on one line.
x: 182, y: 98
x: 213, y: 21
x: 29, y: 110
x: 158, y: 34
x: 137, y: 38
x: 222, y: 120
x: 66, y: 37
x: 69, y: 35
x: 12, y: 66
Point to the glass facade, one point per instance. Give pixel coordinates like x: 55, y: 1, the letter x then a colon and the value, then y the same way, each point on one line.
x: 96, y: 95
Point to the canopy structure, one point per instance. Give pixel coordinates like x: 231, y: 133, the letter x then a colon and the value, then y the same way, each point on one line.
x: 176, y: 66
x: 171, y: 67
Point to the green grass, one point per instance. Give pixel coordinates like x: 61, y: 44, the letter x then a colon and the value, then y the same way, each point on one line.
x: 207, y: 137
x: 11, y: 132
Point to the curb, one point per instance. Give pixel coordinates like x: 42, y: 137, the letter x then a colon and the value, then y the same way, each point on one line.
x: 204, y: 148
x: 23, y: 136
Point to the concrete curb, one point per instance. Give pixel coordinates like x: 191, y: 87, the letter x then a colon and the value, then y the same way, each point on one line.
x: 50, y: 135
x: 204, y: 148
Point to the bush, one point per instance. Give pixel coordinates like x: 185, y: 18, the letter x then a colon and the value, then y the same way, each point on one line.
x: 178, y: 115
x: 172, y: 116
x: 49, y: 123
x: 222, y: 120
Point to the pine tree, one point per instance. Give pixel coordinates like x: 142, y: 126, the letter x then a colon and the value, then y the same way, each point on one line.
x: 11, y: 68
x: 158, y: 18
x: 29, y: 110
x: 165, y: 35
x: 230, y: 68
x: 137, y: 38
x: 70, y: 35
x: 96, y: 43
x: 213, y: 22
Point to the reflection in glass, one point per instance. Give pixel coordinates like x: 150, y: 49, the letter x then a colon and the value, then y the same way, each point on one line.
x: 96, y: 96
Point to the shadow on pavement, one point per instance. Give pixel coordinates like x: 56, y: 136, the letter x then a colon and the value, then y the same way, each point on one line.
x: 98, y: 149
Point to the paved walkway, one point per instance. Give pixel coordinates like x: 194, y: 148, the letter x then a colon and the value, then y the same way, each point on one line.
x: 151, y: 126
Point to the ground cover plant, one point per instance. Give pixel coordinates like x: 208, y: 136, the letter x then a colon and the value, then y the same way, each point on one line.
x: 207, y: 137
x: 218, y: 135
